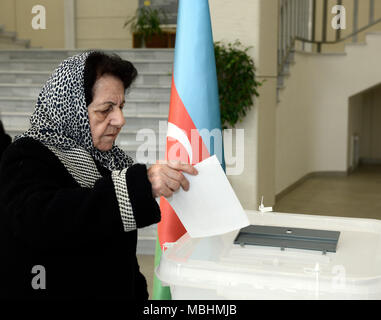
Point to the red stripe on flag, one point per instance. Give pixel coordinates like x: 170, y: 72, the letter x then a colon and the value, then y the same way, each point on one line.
x: 179, y: 116
x: 170, y: 228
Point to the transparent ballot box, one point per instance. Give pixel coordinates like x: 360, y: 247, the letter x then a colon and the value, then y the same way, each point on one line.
x: 222, y: 267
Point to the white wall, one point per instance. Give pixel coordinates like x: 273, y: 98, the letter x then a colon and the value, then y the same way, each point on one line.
x: 99, y: 23
x: 254, y: 23
x: 16, y: 16
x: 312, y: 117
x: 233, y: 20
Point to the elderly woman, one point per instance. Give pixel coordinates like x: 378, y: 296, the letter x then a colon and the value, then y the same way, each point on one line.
x: 70, y: 199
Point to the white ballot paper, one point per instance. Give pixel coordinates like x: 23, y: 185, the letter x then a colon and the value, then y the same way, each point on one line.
x: 210, y: 206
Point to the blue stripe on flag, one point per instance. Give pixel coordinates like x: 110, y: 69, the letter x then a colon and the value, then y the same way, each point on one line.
x: 194, y: 67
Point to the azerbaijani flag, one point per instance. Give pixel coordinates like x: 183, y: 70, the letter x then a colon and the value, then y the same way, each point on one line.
x: 194, y: 112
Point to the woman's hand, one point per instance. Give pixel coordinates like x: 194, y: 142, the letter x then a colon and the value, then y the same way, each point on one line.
x: 166, y: 177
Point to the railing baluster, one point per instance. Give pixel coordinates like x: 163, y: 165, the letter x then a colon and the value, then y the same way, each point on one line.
x: 284, y: 32
x: 325, y: 8
x: 302, y: 21
x: 280, y: 30
x: 313, y: 20
x: 292, y: 7
x: 296, y: 16
x: 288, y: 23
x: 307, y: 18
x: 280, y: 36
x: 289, y: 27
x: 371, y: 11
x: 303, y: 18
x: 355, y: 19
x: 294, y: 19
x: 338, y: 31
x: 309, y: 25
x: 305, y: 22
x: 285, y: 23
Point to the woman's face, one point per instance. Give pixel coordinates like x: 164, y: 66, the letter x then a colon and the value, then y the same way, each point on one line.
x: 105, y: 111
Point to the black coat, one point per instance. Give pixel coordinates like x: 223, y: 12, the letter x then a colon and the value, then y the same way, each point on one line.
x: 75, y: 233
x: 5, y: 139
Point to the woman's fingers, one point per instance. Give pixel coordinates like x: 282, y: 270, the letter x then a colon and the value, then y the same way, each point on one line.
x: 166, y: 192
x: 176, y: 168
x: 181, y: 166
x: 177, y: 176
x: 166, y: 177
x: 158, y: 182
x: 174, y: 185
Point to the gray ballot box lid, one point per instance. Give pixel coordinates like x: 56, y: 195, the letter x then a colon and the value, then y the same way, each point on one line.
x: 288, y: 237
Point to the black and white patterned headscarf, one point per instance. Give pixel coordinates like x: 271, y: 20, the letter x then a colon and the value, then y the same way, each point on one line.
x: 60, y: 119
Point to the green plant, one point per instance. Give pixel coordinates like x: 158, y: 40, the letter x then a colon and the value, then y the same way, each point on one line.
x: 146, y: 22
x: 236, y: 81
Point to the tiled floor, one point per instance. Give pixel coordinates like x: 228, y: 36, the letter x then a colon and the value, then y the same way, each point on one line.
x: 146, y: 264
x: 357, y: 195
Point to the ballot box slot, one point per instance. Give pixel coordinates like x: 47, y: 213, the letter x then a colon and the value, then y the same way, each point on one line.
x: 287, y: 237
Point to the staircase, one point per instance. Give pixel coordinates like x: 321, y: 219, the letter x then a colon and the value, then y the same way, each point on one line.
x: 300, y: 24
x: 320, y: 71
x: 314, y: 121
x: 9, y: 40
x: 24, y: 72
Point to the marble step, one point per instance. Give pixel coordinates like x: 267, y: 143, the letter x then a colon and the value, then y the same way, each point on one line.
x: 21, y: 76
x: 146, y: 159
x: 150, y: 150
x: 15, y: 120
x: 135, y: 136
x: 129, y: 54
x: 152, y: 78
x: 51, y: 65
x: 5, y: 45
x: 134, y: 107
x: 159, y: 92
x: 146, y: 106
x: 9, y: 42
x: 149, y: 157
x: 147, y: 240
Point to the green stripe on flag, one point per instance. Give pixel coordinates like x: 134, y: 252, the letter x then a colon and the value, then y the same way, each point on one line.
x: 159, y: 292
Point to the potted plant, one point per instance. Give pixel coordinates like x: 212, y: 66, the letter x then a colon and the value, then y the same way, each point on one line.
x: 236, y: 81
x: 145, y: 28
